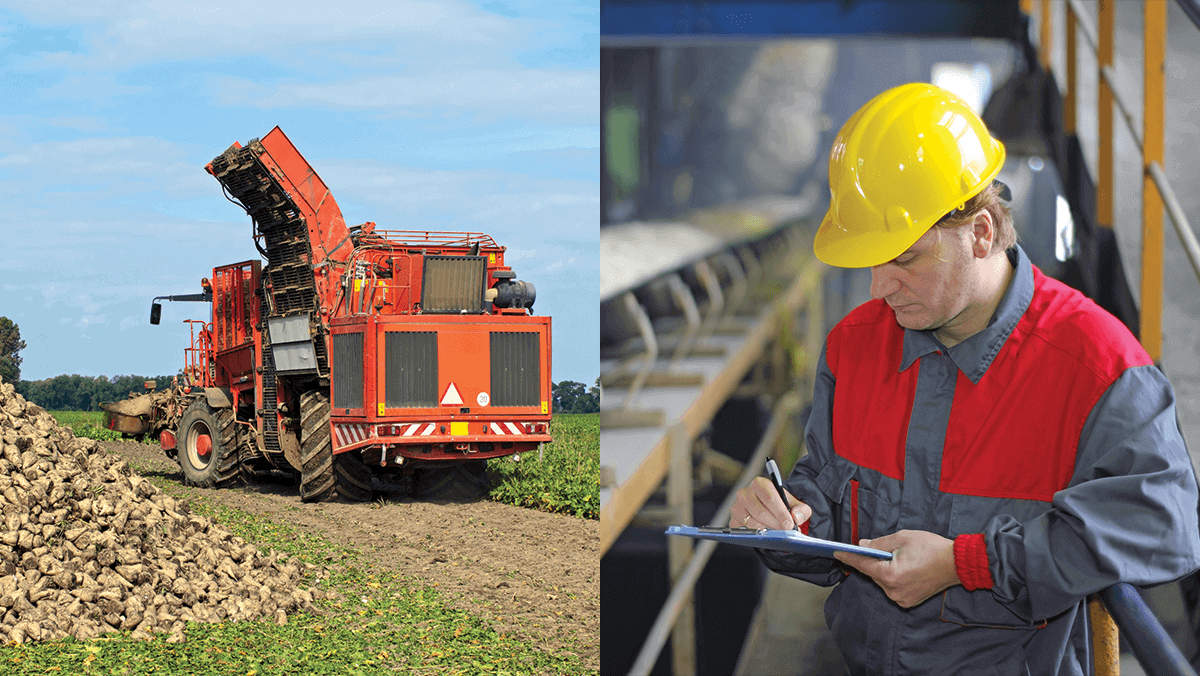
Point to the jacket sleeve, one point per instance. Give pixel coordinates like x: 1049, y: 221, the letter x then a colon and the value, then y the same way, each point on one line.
x: 818, y: 438
x: 1129, y: 513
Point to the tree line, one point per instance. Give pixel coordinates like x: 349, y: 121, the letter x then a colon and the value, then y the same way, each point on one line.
x: 572, y: 397
x: 83, y: 393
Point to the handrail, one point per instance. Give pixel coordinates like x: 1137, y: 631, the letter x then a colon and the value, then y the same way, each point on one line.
x: 1110, y: 76
x: 1190, y: 246
x: 1084, y: 22
x: 657, y: 638
x: 1151, y: 644
x: 1192, y: 9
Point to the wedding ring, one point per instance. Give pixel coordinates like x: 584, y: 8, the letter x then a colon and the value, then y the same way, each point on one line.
x: 745, y: 521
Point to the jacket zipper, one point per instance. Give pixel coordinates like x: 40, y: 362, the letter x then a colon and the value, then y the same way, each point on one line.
x: 853, y: 511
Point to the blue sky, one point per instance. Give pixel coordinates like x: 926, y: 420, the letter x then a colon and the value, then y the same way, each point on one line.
x: 443, y: 115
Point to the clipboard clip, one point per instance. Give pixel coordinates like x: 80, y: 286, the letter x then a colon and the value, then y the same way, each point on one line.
x: 731, y: 531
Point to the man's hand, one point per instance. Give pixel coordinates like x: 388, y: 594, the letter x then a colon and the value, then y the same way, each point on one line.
x: 922, y: 565
x: 758, y: 506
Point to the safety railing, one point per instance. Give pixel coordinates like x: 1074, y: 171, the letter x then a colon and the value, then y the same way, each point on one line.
x: 1152, y: 646
x: 1157, y: 192
x: 196, y: 369
x: 685, y: 582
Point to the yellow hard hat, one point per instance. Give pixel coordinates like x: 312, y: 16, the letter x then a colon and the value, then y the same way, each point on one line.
x: 907, y: 158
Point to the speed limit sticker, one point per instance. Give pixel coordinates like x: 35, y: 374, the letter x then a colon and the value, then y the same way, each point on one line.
x: 483, y: 399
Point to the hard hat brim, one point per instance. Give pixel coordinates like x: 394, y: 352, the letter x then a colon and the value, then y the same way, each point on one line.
x: 843, y: 249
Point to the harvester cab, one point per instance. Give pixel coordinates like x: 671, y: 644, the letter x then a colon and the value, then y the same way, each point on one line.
x: 355, y: 357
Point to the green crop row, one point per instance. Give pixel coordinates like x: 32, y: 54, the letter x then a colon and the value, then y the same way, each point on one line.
x: 89, y: 424
x: 564, y: 477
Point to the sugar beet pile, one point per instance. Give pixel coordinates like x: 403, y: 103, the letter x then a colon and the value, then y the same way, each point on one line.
x: 88, y: 547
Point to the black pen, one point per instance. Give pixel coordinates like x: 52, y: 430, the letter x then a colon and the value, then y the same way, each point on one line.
x: 777, y: 479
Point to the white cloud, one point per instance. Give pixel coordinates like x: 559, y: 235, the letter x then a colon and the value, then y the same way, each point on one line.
x: 528, y: 92
x: 559, y: 265
x: 479, y: 195
x: 118, y: 162
x: 129, y: 322
x: 124, y: 34
x: 95, y: 86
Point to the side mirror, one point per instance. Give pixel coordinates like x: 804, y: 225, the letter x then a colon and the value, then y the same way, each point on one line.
x: 155, y: 312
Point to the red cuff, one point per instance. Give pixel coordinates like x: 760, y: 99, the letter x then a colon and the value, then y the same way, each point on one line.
x: 971, y: 562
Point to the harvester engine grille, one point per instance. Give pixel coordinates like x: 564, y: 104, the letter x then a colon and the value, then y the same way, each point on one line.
x: 288, y: 276
x: 411, y: 363
x: 453, y: 284
x: 516, y: 369
x: 347, y: 370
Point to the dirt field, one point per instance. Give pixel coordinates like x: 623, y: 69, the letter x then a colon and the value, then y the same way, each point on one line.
x: 540, y: 572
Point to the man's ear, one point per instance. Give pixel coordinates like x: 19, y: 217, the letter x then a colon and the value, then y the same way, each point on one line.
x: 984, y: 234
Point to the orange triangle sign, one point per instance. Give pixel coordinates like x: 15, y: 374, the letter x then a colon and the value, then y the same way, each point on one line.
x: 451, y: 397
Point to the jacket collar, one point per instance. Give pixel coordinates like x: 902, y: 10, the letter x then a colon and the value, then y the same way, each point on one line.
x: 974, y: 355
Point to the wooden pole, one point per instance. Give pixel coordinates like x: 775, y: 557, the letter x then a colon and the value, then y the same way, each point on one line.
x: 1106, y: 653
x: 1045, y: 35
x: 1069, y: 99
x: 1153, y: 97
x: 1104, y: 116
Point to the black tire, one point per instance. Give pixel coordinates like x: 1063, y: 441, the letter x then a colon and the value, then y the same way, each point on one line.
x: 464, y: 481
x: 219, y: 466
x: 323, y: 476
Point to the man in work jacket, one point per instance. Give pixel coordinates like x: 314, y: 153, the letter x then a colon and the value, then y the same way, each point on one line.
x: 1009, y: 441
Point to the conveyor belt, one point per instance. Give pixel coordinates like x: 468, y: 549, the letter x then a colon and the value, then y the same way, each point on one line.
x: 288, y: 277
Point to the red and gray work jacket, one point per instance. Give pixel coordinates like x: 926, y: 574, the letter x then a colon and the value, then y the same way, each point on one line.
x: 1045, y: 446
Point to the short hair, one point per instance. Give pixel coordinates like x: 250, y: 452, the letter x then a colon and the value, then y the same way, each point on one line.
x: 989, y: 199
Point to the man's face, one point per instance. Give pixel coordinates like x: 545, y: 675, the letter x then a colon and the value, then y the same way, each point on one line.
x: 931, y: 283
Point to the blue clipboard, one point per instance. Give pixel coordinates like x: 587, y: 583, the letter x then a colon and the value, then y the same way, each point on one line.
x: 780, y: 540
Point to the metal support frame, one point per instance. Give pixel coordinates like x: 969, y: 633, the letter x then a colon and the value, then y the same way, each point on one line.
x: 627, y: 498
x: 679, y: 550
x: 648, y: 358
x: 716, y: 299
x: 739, y: 290
x: 679, y: 600
x: 682, y: 296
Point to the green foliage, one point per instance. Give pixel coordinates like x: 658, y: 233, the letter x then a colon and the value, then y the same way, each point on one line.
x: 566, y: 479
x: 89, y: 424
x: 10, y: 348
x: 572, y: 397
x: 381, y: 623
x: 83, y: 393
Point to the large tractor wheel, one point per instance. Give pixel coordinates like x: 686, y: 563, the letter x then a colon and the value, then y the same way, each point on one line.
x: 207, y: 446
x: 323, y: 476
x: 457, y: 481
